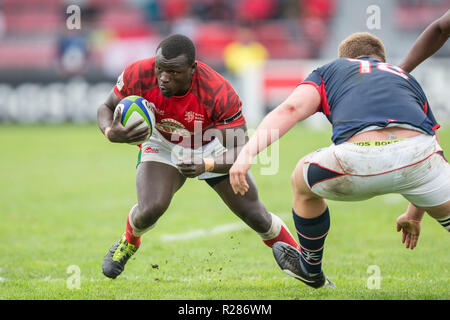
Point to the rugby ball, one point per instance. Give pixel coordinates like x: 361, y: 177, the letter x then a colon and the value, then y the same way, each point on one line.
x: 133, y: 109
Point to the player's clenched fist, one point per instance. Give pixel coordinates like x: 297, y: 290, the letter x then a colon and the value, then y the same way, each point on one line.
x: 191, y: 167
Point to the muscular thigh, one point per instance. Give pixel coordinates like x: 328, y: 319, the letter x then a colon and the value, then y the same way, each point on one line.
x: 412, y: 167
x: 325, y: 175
x: 431, y: 187
x: 157, y: 182
x: 319, y: 174
x: 440, y: 211
x: 247, y: 207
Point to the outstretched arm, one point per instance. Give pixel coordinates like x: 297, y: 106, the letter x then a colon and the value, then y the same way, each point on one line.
x: 302, y: 103
x: 430, y: 41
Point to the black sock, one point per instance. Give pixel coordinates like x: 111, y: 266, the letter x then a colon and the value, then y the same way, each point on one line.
x: 311, y: 234
x: 445, y: 222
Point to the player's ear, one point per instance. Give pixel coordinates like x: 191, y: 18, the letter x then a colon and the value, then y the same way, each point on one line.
x: 194, y: 66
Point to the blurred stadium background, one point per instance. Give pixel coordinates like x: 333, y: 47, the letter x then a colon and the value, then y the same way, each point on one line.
x: 67, y: 72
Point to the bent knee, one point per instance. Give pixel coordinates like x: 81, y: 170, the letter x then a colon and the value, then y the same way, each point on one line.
x: 297, y: 175
x: 149, y: 213
x: 298, y: 183
x: 255, y: 215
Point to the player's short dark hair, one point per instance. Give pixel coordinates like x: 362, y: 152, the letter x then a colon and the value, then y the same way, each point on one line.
x: 176, y: 45
x: 362, y: 44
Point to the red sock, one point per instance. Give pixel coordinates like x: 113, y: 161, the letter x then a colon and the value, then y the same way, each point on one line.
x: 131, y: 238
x: 284, y: 236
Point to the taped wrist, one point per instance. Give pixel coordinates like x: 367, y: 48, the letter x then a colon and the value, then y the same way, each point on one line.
x: 445, y: 222
x: 209, y: 164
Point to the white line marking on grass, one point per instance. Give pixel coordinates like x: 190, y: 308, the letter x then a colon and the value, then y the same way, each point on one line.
x: 224, y: 228
x: 203, y: 232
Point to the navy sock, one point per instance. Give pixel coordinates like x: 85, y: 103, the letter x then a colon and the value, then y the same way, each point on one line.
x: 311, y: 234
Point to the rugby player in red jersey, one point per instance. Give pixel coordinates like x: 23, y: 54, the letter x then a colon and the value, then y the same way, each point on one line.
x: 200, y: 130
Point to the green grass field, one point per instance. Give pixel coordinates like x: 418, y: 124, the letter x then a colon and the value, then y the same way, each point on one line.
x: 65, y: 194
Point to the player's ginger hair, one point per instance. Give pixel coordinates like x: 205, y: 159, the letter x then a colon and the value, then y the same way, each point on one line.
x: 362, y: 44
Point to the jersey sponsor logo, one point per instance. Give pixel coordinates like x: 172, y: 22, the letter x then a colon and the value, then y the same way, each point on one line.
x: 190, y: 116
x: 376, y: 143
x: 172, y: 126
x: 151, y: 150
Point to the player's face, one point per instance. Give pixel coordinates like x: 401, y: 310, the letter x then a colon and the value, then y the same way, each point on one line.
x: 174, y: 75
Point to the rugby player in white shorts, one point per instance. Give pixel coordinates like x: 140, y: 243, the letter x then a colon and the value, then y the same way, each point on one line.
x: 199, y: 128
x: 384, y: 141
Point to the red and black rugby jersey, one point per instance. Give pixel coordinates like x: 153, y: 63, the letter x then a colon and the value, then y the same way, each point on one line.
x: 210, y: 102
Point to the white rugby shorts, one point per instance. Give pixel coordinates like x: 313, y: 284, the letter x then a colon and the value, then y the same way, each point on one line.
x: 414, y: 167
x: 159, y: 149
